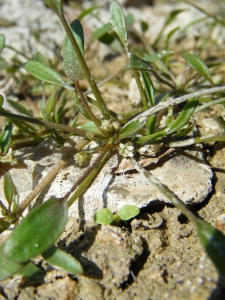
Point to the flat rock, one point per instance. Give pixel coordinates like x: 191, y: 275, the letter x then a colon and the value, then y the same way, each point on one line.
x: 185, y: 173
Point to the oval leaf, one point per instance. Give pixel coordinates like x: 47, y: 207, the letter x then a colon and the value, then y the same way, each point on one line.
x: 5, y: 138
x: 103, y: 216
x: 8, y: 187
x: 43, y: 72
x: 128, y: 211
x: 73, y: 68
x: 118, y: 22
x: 2, y: 42
x: 37, y: 231
x: 60, y: 259
x: 131, y: 127
x: 198, y: 65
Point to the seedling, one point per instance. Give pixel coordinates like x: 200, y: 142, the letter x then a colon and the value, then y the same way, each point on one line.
x: 113, y: 133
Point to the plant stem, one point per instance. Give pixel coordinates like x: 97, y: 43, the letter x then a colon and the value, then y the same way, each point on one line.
x: 198, y: 140
x: 89, y: 175
x: 47, y: 124
x: 161, y: 106
x: 85, y: 68
x: 49, y: 177
x: 141, y: 90
x: 165, y: 191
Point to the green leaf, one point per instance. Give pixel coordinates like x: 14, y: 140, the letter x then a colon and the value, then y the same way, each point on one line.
x: 1, y: 101
x: 19, y: 108
x: 8, y: 187
x: 150, y: 124
x: 149, y: 88
x: 3, y: 226
x: 40, y: 58
x: 7, y: 267
x: 118, y: 22
x: 2, y: 42
x: 60, y: 259
x: 5, y: 138
x: 128, y: 211
x: 139, y: 64
x: 72, y: 65
x: 43, y: 72
x: 214, y: 243
x: 55, y: 5
x: 198, y: 65
x: 88, y: 11
x: 100, y: 32
x: 131, y: 127
x: 156, y: 56
x: 91, y: 127
x: 103, y: 216
x: 37, y: 231
x: 31, y: 271
x: 183, y: 117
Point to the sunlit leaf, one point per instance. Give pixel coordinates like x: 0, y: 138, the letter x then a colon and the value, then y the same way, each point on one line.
x: 40, y: 58
x: 128, y: 211
x: 2, y: 42
x: 8, y: 187
x: 198, y: 65
x: 43, y: 72
x: 100, y: 32
x: 37, y: 231
x: 60, y: 259
x: 103, y: 216
x: 139, y: 64
x: 118, y: 22
x: 91, y: 127
x: 131, y: 127
x: 73, y: 68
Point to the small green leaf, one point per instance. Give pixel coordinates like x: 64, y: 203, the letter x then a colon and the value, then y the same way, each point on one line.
x: 131, y: 127
x: 5, y: 138
x: 88, y: 11
x: 73, y: 68
x: 198, y: 65
x: 103, y: 216
x: 139, y: 64
x: 1, y: 101
x: 100, y: 32
x: 31, y: 271
x: 3, y: 226
x: 8, y: 187
x: 118, y: 22
x: 60, y: 259
x: 21, y: 109
x: 40, y: 58
x: 157, y: 56
x: 128, y: 211
x: 150, y: 124
x: 91, y: 127
x: 214, y: 243
x: 37, y: 231
x: 55, y: 5
x: 2, y: 42
x: 7, y: 267
x: 183, y: 117
x: 149, y: 88
x: 43, y: 72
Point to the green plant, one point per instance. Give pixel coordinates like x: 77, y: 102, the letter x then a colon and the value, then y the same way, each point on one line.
x: 113, y: 133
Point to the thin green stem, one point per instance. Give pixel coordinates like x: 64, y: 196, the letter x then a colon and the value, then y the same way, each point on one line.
x: 85, y: 68
x: 47, y: 124
x: 49, y: 177
x: 165, y: 191
x: 89, y: 175
x: 141, y: 89
x: 198, y: 140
